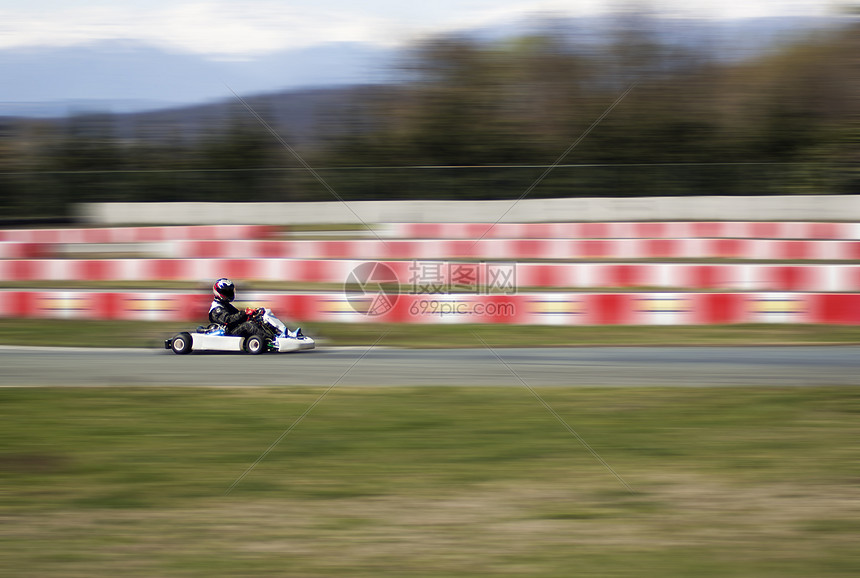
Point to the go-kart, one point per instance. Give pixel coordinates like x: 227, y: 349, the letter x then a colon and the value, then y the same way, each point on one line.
x: 272, y: 336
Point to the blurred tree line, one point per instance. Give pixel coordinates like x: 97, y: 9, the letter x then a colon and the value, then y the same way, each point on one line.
x: 474, y: 120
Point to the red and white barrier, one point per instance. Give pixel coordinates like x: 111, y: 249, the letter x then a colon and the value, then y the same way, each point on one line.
x: 725, y: 277
x: 519, y: 249
x: 626, y: 230
x: 218, y: 242
x: 137, y: 234
x: 715, y: 276
x: 520, y: 309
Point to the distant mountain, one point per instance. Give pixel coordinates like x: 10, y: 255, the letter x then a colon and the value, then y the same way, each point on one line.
x: 121, y: 77
x: 299, y: 116
x: 127, y: 76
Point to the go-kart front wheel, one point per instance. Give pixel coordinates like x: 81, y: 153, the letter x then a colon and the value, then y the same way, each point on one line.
x: 181, y: 343
x: 255, y: 345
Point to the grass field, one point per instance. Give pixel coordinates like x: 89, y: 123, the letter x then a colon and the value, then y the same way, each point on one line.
x: 429, y: 482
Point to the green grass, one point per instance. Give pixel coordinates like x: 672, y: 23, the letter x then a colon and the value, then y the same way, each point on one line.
x: 429, y: 482
x: 81, y: 333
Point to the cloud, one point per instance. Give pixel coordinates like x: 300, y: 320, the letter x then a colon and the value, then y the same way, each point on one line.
x: 204, y: 27
x: 221, y: 29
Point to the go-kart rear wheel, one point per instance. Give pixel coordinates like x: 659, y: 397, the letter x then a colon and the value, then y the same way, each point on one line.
x: 181, y: 343
x: 255, y: 345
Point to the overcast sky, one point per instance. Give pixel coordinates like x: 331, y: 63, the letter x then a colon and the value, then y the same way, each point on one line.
x: 253, y: 27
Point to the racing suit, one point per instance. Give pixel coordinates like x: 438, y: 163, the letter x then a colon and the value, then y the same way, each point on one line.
x: 235, y: 322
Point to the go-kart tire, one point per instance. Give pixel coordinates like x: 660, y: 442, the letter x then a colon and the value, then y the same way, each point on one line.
x: 255, y: 345
x: 181, y: 343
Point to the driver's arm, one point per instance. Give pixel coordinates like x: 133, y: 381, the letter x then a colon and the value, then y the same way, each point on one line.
x: 224, y: 317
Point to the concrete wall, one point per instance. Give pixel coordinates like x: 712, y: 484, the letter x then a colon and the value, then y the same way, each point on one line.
x: 774, y: 208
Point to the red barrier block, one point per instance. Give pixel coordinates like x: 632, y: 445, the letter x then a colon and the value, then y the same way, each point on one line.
x: 719, y: 308
x: 707, y: 229
x: 542, y: 275
x: 595, y: 230
x: 764, y: 230
x: 728, y: 249
x: 661, y: 248
x: 610, y: 309
x: 824, y: 230
x: 463, y: 249
x: 398, y: 249
x: 19, y: 303
x: 108, y: 305
x: 624, y: 275
x: 169, y: 269
x: 789, y: 278
x: 851, y: 250
x: 98, y: 269
x: 23, y: 270
x: 792, y: 250
x: 835, y: 308
x: 594, y: 249
x: 237, y: 269
x: 708, y: 276
x: 647, y: 230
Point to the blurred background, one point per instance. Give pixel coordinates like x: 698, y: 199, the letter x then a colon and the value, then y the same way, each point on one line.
x: 106, y: 102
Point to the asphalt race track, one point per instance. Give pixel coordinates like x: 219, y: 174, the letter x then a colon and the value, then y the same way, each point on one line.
x: 580, y: 366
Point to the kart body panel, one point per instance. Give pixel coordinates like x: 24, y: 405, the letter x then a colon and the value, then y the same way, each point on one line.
x: 214, y: 338
x: 295, y: 344
x: 209, y: 342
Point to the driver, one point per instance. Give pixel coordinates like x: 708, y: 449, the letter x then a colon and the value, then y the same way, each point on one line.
x: 223, y: 312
